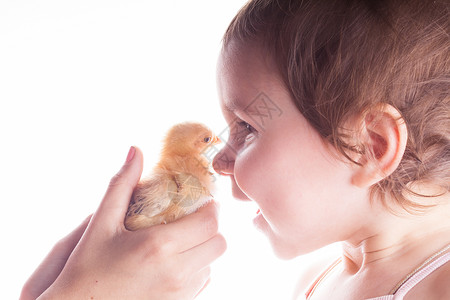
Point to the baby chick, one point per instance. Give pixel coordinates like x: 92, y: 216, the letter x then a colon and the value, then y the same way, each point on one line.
x: 180, y: 183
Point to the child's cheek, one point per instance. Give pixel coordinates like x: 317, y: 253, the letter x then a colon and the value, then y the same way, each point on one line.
x: 254, y: 172
x: 248, y: 172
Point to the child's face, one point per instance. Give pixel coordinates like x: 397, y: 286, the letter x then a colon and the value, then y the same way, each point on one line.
x: 278, y: 160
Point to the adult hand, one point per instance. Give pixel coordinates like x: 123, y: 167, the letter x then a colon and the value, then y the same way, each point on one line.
x: 52, y: 265
x: 168, y: 261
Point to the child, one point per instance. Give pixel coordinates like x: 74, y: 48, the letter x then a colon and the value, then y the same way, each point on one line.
x: 340, y: 131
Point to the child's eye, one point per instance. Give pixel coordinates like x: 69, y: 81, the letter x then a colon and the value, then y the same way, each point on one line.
x: 241, y: 132
x: 247, y: 126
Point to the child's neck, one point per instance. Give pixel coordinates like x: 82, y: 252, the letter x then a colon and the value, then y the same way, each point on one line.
x: 399, y: 242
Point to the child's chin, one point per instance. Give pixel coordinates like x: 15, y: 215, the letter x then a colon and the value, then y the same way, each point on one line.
x: 283, y: 252
x: 281, y: 249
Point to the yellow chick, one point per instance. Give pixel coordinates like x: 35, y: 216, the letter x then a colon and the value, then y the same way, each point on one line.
x: 180, y: 183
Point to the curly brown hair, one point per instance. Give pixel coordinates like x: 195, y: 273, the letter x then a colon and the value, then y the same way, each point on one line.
x: 340, y: 58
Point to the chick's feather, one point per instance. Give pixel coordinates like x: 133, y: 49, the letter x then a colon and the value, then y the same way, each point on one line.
x: 180, y: 183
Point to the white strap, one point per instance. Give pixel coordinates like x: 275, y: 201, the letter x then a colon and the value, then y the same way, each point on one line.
x: 420, y: 275
x: 416, y: 278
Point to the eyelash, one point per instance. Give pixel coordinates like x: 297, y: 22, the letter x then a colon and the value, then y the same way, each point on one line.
x: 247, y: 126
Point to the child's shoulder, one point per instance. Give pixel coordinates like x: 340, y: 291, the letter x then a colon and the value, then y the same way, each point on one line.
x: 442, y: 282
x: 434, y: 286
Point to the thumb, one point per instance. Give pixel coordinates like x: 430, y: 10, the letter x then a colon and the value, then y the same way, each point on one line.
x: 114, y: 205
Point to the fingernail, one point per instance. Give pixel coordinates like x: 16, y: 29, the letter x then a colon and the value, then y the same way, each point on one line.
x: 130, y: 154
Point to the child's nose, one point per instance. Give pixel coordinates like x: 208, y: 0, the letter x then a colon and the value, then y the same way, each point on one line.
x: 223, y: 162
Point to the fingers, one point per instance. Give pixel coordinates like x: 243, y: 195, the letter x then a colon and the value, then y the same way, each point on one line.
x: 204, y: 254
x: 115, y: 202
x: 187, y: 232
x: 194, y: 241
x: 188, y: 286
x: 71, y: 240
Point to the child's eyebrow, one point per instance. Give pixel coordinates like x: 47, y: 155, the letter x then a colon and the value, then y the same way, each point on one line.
x: 233, y: 106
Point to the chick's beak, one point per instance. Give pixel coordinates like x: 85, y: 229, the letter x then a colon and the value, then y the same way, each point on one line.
x: 216, y: 140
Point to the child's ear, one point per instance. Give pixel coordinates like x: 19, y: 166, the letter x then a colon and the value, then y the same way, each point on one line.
x: 384, y: 134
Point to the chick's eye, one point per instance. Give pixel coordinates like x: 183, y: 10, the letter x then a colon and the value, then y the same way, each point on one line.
x: 207, y: 139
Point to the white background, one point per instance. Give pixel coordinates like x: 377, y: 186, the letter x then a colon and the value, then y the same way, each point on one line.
x: 82, y: 81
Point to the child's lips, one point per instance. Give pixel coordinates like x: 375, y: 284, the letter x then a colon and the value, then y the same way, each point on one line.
x: 259, y: 221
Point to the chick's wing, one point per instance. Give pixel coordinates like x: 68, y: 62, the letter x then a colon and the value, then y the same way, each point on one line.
x: 151, y: 196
